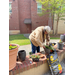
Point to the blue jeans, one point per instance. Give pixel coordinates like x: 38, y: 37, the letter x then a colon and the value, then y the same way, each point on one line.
x: 34, y: 48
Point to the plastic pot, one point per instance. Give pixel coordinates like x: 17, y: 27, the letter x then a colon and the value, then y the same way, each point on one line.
x: 62, y: 37
x: 60, y: 46
x: 35, y: 59
x: 22, y: 55
x: 47, y: 51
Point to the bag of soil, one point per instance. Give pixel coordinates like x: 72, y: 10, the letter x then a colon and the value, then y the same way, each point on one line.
x: 53, y: 62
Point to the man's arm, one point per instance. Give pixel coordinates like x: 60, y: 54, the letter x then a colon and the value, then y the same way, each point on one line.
x: 47, y: 38
x: 37, y: 38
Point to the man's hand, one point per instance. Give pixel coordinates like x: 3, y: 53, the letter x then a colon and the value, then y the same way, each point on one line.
x: 43, y: 46
x: 47, y: 44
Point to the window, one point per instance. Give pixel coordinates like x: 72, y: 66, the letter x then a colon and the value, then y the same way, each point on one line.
x: 10, y: 8
x: 39, y: 8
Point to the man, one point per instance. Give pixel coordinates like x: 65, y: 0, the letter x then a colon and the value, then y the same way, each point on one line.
x: 38, y: 36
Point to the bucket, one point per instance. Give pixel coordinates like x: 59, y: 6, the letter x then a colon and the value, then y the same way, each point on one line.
x: 60, y: 46
x: 22, y: 55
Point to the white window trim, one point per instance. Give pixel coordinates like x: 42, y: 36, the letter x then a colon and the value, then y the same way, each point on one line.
x: 10, y: 12
x: 38, y: 12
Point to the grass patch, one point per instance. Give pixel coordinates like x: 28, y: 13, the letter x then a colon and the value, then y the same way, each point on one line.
x: 18, y: 39
x: 21, y: 40
x: 54, y: 37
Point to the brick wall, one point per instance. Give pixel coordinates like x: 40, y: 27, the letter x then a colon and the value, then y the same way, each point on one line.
x: 22, y: 9
x: 14, y: 17
x: 36, y: 19
x: 24, y: 12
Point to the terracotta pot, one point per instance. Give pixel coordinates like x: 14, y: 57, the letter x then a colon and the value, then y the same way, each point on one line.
x: 13, y: 57
x: 42, y: 56
x: 51, y: 50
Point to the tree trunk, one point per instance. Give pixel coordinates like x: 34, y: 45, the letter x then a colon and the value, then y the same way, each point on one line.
x: 57, y: 25
x: 56, y: 28
x: 52, y: 21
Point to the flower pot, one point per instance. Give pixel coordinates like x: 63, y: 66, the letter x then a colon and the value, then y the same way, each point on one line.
x: 60, y: 45
x: 47, y: 51
x: 42, y: 56
x: 35, y: 59
x: 62, y: 37
x: 12, y: 57
x: 22, y: 55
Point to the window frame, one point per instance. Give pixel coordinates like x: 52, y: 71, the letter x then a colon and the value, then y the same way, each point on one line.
x: 37, y: 8
x: 11, y: 7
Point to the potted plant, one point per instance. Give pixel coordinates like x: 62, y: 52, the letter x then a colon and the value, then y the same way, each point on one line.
x: 13, y: 49
x: 47, y: 50
x: 62, y: 37
x: 60, y: 45
x: 50, y: 47
x: 35, y: 57
x: 30, y: 53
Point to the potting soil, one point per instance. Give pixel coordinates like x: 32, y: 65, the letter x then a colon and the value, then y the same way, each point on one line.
x: 53, y: 63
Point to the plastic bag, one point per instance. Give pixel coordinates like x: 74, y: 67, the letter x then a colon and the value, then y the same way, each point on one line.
x: 53, y: 63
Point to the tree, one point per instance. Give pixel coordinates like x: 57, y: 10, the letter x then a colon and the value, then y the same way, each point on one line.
x: 53, y: 8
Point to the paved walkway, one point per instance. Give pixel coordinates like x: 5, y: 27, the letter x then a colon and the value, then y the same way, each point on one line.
x: 27, y: 48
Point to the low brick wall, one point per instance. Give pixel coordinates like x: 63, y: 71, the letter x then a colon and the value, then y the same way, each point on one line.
x: 35, y: 68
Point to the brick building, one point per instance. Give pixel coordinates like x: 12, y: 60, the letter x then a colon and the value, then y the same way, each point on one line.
x: 24, y: 16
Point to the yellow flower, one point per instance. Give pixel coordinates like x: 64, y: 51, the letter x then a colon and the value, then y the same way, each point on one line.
x: 51, y: 57
x: 59, y: 67
x: 60, y: 40
x: 52, y: 44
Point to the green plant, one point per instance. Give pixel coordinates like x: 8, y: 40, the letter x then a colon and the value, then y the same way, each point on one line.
x: 51, y: 47
x: 18, y: 39
x: 55, y: 9
x: 12, y: 47
x: 30, y: 53
x: 60, y: 41
x: 35, y: 56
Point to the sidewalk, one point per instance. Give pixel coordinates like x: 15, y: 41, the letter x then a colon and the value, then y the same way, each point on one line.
x: 27, y: 48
